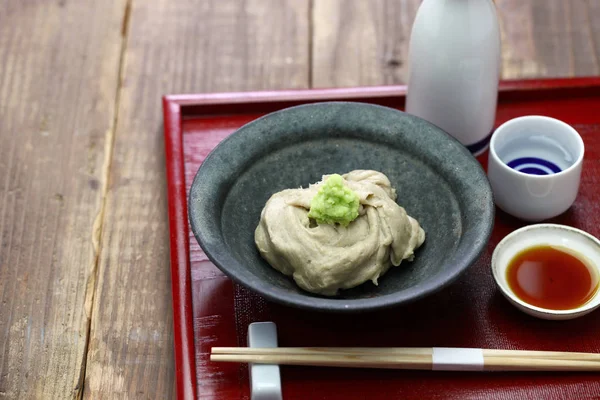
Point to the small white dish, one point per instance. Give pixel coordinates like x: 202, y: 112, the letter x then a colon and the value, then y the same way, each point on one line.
x: 546, y: 234
x: 534, y: 167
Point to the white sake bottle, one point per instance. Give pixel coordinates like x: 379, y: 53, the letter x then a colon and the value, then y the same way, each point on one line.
x: 454, y: 68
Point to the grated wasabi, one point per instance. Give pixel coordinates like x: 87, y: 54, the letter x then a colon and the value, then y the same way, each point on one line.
x: 334, y: 203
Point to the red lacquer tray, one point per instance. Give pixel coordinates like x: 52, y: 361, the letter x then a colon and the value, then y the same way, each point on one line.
x: 209, y: 310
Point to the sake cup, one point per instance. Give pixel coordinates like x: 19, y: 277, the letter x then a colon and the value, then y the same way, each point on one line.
x: 534, y: 167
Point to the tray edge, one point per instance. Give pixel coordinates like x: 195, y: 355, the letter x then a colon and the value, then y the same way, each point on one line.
x: 174, y: 109
x: 183, y: 328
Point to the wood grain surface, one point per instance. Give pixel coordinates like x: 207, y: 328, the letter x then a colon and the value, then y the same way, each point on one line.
x: 366, y: 43
x: 549, y: 38
x: 259, y: 45
x: 84, y: 273
x: 58, y: 81
x: 361, y: 43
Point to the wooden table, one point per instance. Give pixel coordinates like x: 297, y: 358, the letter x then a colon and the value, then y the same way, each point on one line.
x: 84, y: 256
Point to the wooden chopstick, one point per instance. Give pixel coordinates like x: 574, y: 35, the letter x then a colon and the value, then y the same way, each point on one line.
x: 394, y: 351
x: 323, y: 350
x: 554, y: 355
x: 328, y: 361
x: 406, y: 358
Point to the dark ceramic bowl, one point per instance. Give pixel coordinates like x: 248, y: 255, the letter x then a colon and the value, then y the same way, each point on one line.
x: 437, y: 180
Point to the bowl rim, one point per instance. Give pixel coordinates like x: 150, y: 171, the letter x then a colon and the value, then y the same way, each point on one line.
x: 534, y: 117
x: 497, y: 269
x: 221, y: 257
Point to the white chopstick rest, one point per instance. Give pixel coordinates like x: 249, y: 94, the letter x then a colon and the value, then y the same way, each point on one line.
x: 265, y: 379
x: 455, y: 359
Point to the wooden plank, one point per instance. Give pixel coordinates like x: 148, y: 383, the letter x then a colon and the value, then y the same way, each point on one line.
x: 361, y: 43
x: 549, y: 38
x: 58, y: 80
x: 172, y: 47
x: 366, y: 43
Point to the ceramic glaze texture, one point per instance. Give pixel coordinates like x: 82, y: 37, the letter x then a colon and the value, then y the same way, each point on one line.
x: 437, y: 180
x: 535, y: 196
x: 454, y: 68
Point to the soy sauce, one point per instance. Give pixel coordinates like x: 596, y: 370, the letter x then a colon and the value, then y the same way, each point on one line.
x: 551, y: 278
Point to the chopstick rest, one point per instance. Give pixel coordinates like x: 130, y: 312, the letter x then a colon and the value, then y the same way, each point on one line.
x: 457, y: 359
x: 265, y: 379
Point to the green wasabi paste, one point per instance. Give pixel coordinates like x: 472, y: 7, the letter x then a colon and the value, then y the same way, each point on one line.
x: 334, y: 203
